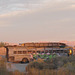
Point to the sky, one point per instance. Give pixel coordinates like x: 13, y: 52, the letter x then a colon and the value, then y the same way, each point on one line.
x: 37, y: 20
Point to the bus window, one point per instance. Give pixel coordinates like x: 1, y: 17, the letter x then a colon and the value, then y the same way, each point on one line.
x: 46, y: 44
x: 24, y: 52
x: 41, y: 44
x: 19, y: 52
x: 38, y: 51
x: 50, y: 44
x: 50, y: 51
x: 42, y: 51
x: 46, y: 51
x: 34, y: 51
x: 54, y: 51
x: 61, y: 45
x: 15, y: 52
x: 65, y: 51
x: 62, y: 51
x: 58, y: 51
x: 37, y: 44
x: 55, y: 44
x: 29, y: 52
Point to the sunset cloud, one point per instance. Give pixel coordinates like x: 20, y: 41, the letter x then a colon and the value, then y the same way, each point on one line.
x: 13, y: 5
x: 27, y: 19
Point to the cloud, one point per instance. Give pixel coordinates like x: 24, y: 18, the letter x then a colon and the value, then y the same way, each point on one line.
x: 51, y: 12
x: 5, y: 21
x: 4, y: 24
x: 73, y: 6
x: 54, y: 20
x: 26, y: 5
x: 13, y: 5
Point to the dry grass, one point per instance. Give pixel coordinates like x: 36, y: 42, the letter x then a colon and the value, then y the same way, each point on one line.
x: 65, y: 66
x: 4, y: 71
x: 56, y: 66
x: 61, y: 71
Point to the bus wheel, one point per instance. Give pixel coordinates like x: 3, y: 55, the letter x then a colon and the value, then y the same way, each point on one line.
x: 25, y: 60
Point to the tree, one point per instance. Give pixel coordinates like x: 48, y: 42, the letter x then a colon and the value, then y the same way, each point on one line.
x: 2, y: 44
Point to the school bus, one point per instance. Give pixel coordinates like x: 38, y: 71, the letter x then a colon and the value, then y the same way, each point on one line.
x: 26, y: 51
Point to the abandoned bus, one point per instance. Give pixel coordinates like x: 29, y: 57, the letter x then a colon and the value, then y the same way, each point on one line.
x: 26, y: 51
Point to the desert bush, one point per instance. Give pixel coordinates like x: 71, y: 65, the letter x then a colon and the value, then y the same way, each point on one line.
x: 4, y: 71
x: 41, y: 65
x: 56, y: 66
x: 60, y: 61
x: 2, y: 44
x: 61, y: 71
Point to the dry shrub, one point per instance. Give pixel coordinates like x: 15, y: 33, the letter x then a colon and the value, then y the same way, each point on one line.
x: 4, y: 71
x: 16, y: 72
x: 40, y: 60
x: 61, y: 71
x: 34, y: 71
x: 55, y: 66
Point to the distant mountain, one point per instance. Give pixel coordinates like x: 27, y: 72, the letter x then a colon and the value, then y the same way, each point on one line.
x: 70, y: 43
x: 8, y: 44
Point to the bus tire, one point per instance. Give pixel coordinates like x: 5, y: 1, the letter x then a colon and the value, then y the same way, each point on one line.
x: 25, y: 60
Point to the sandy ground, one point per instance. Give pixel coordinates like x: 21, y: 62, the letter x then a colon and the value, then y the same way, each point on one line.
x: 16, y: 66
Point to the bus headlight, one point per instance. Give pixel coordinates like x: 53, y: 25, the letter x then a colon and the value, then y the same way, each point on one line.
x: 70, y: 52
